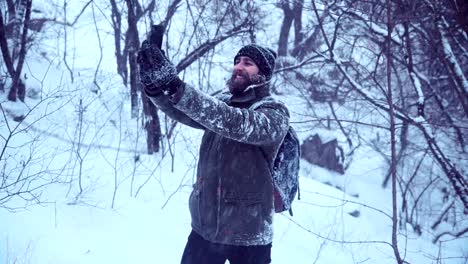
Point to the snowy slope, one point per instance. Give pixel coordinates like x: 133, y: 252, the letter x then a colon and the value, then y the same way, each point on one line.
x: 321, y: 230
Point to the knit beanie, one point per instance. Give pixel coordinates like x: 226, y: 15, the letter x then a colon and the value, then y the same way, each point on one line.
x: 262, y: 56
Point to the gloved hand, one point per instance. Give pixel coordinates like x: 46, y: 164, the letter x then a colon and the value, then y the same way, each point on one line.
x: 157, y: 73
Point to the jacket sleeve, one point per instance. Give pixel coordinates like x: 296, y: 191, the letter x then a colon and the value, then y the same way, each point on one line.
x: 265, y: 125
x: 163, y: 102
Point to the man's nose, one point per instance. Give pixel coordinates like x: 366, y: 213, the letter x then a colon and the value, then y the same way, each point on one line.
x: 239, y: 66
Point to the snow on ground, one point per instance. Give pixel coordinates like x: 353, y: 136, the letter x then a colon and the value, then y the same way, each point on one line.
x: 153, y: 227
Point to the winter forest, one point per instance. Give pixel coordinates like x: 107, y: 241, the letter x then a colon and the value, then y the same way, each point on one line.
x: 92, y: 172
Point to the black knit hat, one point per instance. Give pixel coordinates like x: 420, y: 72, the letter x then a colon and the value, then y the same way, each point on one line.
x: 262, y: 56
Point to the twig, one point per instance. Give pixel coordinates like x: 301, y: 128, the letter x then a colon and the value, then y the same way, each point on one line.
x: 334, y: 240
x: 117, y: 158
x: 349, y: 201
x: 65, y: 40
x: 100, y: 52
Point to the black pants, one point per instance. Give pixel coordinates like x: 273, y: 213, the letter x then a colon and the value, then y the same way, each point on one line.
x: 200, y: 251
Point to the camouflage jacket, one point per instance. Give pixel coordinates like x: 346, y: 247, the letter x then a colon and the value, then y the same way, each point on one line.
x: 232, y: 199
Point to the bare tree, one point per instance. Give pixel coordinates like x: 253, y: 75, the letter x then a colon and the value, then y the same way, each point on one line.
x: 340, y: 60
x: 292, y: 15
x: 127, y: 66
x: 393, y: 163
x: 17, y: 11
x: 25, y: 171
x: 242, y: 23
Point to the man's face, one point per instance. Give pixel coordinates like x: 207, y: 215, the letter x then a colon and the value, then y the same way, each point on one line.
x: 242, y: 74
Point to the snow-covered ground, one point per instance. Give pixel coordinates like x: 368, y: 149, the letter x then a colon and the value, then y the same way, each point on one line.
x: 153, y: 227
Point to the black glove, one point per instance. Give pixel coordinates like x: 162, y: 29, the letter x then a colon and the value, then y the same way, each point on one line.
x: 157, y: 73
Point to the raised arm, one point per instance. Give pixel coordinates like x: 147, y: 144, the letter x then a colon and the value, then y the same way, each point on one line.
x: 164, y: 104
x: 265, y: 125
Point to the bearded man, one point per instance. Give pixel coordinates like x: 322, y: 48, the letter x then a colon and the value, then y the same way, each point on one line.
x: 232, y: 204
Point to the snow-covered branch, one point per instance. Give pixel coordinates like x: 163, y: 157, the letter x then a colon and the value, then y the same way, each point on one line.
x: 454, y: 67
x: 457, y: 180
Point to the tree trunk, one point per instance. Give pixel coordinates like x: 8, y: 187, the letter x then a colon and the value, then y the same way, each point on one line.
x: 18, y: 88
x: 285, y: 28
x: 133, y: 45
x: 297, y: 10
x: 119, y: 55
x: 152, y: 125
x: 153, y: 129
x: 393, y: 163
x: 4, y: 47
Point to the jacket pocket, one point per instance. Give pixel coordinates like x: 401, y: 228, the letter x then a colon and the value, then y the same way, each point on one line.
x: 241, y: 217
x: 242, y: 200
x: 244, y: 208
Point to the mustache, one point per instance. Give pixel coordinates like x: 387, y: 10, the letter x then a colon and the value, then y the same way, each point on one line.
x: 241, y: 73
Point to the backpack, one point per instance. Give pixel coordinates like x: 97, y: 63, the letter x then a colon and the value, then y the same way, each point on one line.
x: 285, y: 172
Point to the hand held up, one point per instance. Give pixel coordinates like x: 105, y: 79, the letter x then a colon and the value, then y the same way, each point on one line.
x: 157, y: 73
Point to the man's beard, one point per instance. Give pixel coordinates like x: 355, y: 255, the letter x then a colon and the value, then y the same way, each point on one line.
x: 237, y: 86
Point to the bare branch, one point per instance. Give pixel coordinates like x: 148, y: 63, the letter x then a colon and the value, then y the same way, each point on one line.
x: 207, y: 46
